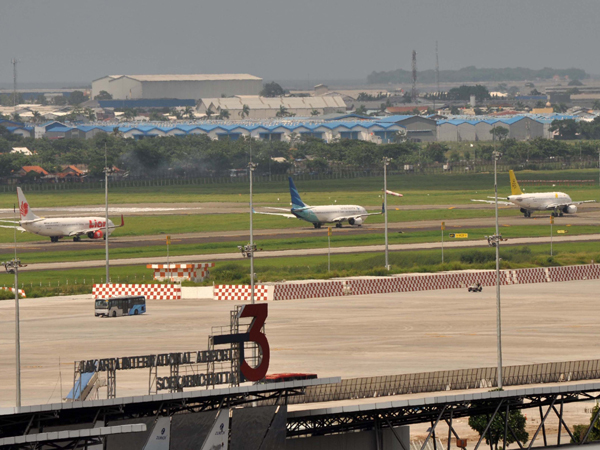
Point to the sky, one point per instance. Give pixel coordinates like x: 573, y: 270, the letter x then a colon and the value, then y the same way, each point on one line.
x: 81, y: 40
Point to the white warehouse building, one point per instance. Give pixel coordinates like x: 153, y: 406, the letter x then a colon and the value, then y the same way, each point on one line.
x: 126, y: 87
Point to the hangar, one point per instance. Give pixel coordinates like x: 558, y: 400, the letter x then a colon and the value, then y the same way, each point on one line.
x: 193, y: 86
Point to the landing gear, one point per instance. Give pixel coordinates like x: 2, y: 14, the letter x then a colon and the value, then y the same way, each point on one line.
x: 76, y: 239
x: 338, y: 225
x: 317, y: 225
x: 527, y: 213
x: 53, y: 238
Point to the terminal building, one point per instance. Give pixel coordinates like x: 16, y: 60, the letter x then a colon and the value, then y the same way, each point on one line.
x: 193, y: 86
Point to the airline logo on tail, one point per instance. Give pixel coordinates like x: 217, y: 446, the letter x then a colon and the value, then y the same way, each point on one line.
x: 514, y: 185
x: 24, y: 209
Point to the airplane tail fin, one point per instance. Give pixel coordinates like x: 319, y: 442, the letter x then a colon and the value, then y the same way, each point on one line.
x: 24, y: 209
x: 296, y: 200
x: 514, y: 185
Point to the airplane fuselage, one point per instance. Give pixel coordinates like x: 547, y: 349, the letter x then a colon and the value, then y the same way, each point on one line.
x: 329, y: 213
x: 64, y: 226
x: 539, y: 201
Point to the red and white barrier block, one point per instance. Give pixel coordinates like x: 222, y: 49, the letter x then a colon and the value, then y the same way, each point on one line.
x: 21, y: 291
x: 262, y: 293
x: 181, y: 272
x: 150, y: 291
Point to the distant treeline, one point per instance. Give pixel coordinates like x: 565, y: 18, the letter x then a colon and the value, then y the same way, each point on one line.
x: 199, y: 156
x: 473, y: 74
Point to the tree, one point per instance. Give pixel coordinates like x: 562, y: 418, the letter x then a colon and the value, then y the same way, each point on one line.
x: 130, y: 114
x: 596, y: 105
x: 272, y: 89
x: 245, y: 112
x: 575, y: 83
x: 560, y: 108
x: 37, y: 117
x: 565, y: 129
x: 209, y: 113
x: 283, y: 112
x: 59, y: 100
x: 361, y: 110
x: 177, y: 114
x: 16, y: 117
x: 535, y: 92
x: 189, y: 112
x: 223, y: 114
x: 464, y: 92
x: 77, y: 97
x: 42, y: 100
x: 103, y: 95
x: 90, y: 114
x: 315, y: 112
x: 155, y: 116
x: 540, y: 104
x: 454, y: 110
x: 436, y: 151
x: 580, y: 430
x: 495, y: 432
x: 499, y: 133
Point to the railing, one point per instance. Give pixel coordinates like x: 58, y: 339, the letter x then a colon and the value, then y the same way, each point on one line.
x: 355, y: 388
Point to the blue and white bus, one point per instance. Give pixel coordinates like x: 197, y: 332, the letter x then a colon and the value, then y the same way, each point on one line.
x: 120, y: 306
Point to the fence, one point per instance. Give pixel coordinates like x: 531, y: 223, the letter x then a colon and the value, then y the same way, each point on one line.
x: 476, y: 167
x: 355, y: 388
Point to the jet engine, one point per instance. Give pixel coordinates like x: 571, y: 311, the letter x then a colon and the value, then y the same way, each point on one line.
x: 355, y: 221
x: 98, y: 234
x: 571, y: 209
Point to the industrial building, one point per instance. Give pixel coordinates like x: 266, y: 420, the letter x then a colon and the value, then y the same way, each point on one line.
x: 195, y: 86
x: 418, y: 128
x: 520, y: 128
x: 270, y: 107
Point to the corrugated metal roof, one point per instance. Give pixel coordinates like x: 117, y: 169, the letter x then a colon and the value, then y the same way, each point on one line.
x: 193, y: 77
x: 259, y: 103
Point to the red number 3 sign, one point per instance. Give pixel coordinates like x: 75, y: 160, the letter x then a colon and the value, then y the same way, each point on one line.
x: 254, y: 334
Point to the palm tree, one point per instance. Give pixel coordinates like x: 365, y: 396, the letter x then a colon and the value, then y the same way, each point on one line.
x: 16, y: 117
x: 283, y: 112
x: 314, y: 112
x: 245, y: 112
x: 188, y: 112
x: 90, y: 114
x: 37, y: 117
x: 223, y: 114
x: 129, y: 114
x: 209, y: 113
x: 177, y: 114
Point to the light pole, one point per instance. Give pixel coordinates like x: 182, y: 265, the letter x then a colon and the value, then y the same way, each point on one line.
x: 386, y: 162
x: 494, y: 241
x: 13, y: 267
x: 106, y: 213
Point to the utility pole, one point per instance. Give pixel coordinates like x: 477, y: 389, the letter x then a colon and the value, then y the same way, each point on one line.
x: 551, y: 223
x: 328, y: 249
x: 443, y: 228
x: 14, y: 63
x: 413, y: 93
x: 106, y: 214
x: 251, y: 167
x: 494, y: 241
x: 12, y: 267
x: 386, y: 162
x: 437, y: 74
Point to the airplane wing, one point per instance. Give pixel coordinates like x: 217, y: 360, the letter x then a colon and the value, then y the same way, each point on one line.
x: 560, y: 205
x: 287, y: 216
x: 17, y: 227
x: 93, y: 230
x: 492, y: 202
x: 277, y: 209
x: 9, y: 221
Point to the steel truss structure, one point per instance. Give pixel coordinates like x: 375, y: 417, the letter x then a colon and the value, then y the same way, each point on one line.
x: 37, y: 419
x: 443, y: 410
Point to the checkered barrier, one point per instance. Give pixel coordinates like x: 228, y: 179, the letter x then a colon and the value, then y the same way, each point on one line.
x: 311, y: 289
x: 150, y: 291
x: 21, y: 291
x: 262, y: 293
x: 181, y: 272
x: 426, y: 282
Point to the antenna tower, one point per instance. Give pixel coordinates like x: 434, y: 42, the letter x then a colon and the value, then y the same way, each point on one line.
x: 437, y: 68
x: 14, y: 63
x: 414, y: 77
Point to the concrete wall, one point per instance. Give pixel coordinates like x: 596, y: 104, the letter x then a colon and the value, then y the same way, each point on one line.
x: 466, y: 132
x: 363, y: 440
x: 446, y: 132
x: 420, y: 128
x: 482, y: 131
x: 526, y: 129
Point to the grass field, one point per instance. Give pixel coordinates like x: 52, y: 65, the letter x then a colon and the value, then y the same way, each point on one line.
x: 43, y: 283
x: 316, y: 240
x: 418, y: 189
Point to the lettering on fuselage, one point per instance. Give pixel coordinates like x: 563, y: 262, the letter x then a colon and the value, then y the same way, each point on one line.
x: 97, y: 224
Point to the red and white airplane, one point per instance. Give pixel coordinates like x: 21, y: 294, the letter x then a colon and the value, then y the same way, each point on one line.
x: 59, y: 227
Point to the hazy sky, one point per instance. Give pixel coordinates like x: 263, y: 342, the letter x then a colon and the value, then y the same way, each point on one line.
x: 80, y: 40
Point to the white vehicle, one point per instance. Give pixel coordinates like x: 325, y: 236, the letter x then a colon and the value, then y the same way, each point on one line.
x: 557, y: 202
x: 59, y: 227
x: 318, y: 215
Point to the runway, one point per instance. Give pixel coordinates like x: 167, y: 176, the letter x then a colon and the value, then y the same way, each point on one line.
x: 303, y: 230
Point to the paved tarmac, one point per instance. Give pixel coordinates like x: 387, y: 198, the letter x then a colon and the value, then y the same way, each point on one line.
x: 353, y: 336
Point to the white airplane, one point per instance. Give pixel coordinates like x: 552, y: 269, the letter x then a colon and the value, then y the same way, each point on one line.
x: 59, y: 227
x: 319, y: 215
x: 557, y: 202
